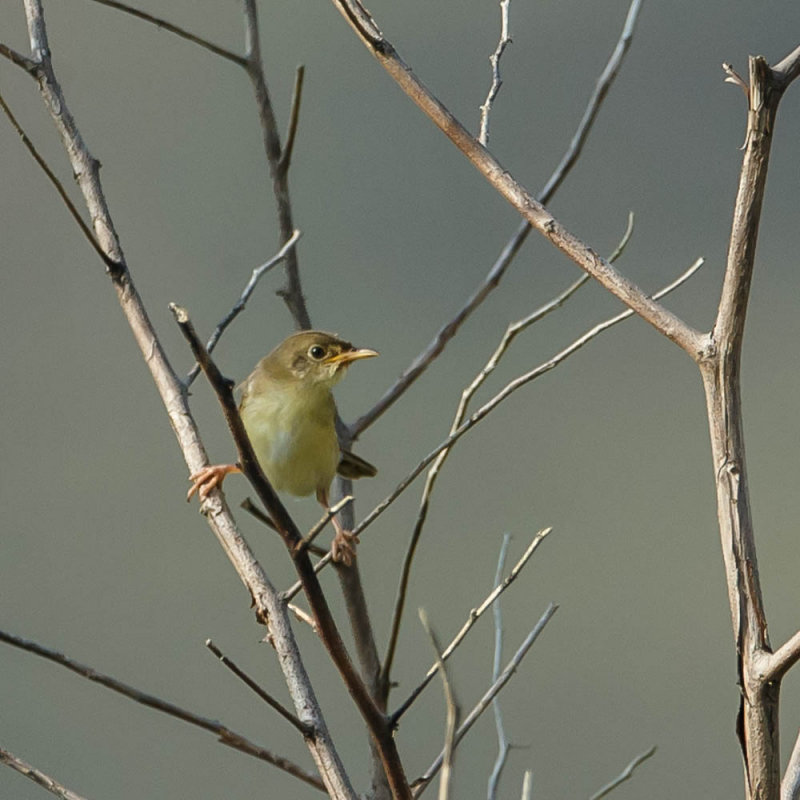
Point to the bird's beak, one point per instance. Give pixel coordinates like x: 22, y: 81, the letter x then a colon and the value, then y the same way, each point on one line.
x: 352, y: 355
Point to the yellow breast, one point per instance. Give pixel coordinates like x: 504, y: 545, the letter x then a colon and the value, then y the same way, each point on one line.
x: 294, y: 437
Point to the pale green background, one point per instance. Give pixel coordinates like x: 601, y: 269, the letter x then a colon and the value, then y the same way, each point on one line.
x: 101, y: 557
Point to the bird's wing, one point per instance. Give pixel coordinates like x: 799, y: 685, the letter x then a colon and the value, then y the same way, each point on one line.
x: 353, y: 466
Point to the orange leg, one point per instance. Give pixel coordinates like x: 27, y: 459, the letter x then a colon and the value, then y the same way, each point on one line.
x: 343, y: 548
x: 209, y: 478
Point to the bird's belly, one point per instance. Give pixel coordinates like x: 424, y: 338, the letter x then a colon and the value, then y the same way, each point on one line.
x: 299, y: 455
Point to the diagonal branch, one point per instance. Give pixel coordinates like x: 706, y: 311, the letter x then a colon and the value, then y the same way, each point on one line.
x: 276, y: 705
x: 433, y: 473
x: 474, y: 615
x: 240, y: 304
x: 28, y: 64
x: 162, y: 23
x: 37, y: 776
x: 513, y: 246
x: 59, y: 187
x: 625, y: 775
x: 666, y: 322
x: 225, y: 735
x: 422, y: 782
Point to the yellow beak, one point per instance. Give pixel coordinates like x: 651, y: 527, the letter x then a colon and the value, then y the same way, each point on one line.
x: 351, y: 355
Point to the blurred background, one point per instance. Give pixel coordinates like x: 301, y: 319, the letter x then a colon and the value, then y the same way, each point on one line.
x: 101, y: 557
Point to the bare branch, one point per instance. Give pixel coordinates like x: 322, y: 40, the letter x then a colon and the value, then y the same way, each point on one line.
x: 176, y: 29
x: 497, y: 81
x: 294, y: 118
x: 757, y: 667
x: 240, y: 304
x: 513, y: 246
x: 305, y: 730
x: 788, y: 69
x: 45, y: 781
x: 59, y: 187
x: 503, y: 745
x: 665, y: 321
x: 474, y: 615
x: 527, y: 785
x: 444, y: 335
x: 783, y: 659
x: 422, y: 782
x: 735, y: 78
x: 433, y: 473
x: 452, y: 711
x: 625, y: 775
x: 292, y: 294
x: 28, y: 64
x: 490, y: 405
x: 325, y: 519
x: 601, y: 89
x: 225, y: 735
x: 790, y: 786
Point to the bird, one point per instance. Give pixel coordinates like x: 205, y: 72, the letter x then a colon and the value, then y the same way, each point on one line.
x: 289, y: 414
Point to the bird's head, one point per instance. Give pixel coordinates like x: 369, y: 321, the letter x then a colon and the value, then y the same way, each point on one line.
x: 313, y: 358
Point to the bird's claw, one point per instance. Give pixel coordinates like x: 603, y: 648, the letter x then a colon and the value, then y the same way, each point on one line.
x: 205, y: 480
x: 343, y: 549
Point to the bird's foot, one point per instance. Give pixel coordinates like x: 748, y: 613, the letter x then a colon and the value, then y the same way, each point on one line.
x: 343, y: 549
x: 205, y: 480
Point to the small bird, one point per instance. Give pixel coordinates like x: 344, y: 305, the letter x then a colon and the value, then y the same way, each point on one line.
x: 289, y: 413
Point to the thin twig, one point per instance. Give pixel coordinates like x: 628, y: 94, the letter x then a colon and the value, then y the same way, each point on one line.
x: 294, y: 117
x: 59, y: 187
x: 474, y: 615
x: 303, y: 617
x: 452, y: 711
x: 292, y: 293
x: 497, y: 81
x: 601, y: 89
x: 790, y: 785
x: 226, y: 735
x: 490, y: 405
x: 625, y: 775
x: 45, y: 781
x: 783, y: 659
x: 433, y: 473
x: 527, y: 785
x: 514, y: 245
x: 28, y: 64
x: 305, y: 730
x: 503, y: 745
x: 325, y: 519
x: 176, y: 29
x: 240, y: 304
x: 422, y: 782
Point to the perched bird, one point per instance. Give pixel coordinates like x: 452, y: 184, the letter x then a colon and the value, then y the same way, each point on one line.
x: 288, y: 411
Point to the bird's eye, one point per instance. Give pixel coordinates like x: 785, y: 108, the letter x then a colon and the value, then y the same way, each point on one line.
x: 316, y: 352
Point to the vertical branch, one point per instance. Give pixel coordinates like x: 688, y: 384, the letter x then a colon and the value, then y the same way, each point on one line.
x: 757, y: 724
x: 292, y: 293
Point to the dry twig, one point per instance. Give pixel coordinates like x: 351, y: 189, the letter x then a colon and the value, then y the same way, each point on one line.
x: 423, y: 781
x: 224, y: 734
x: 625, y: 775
